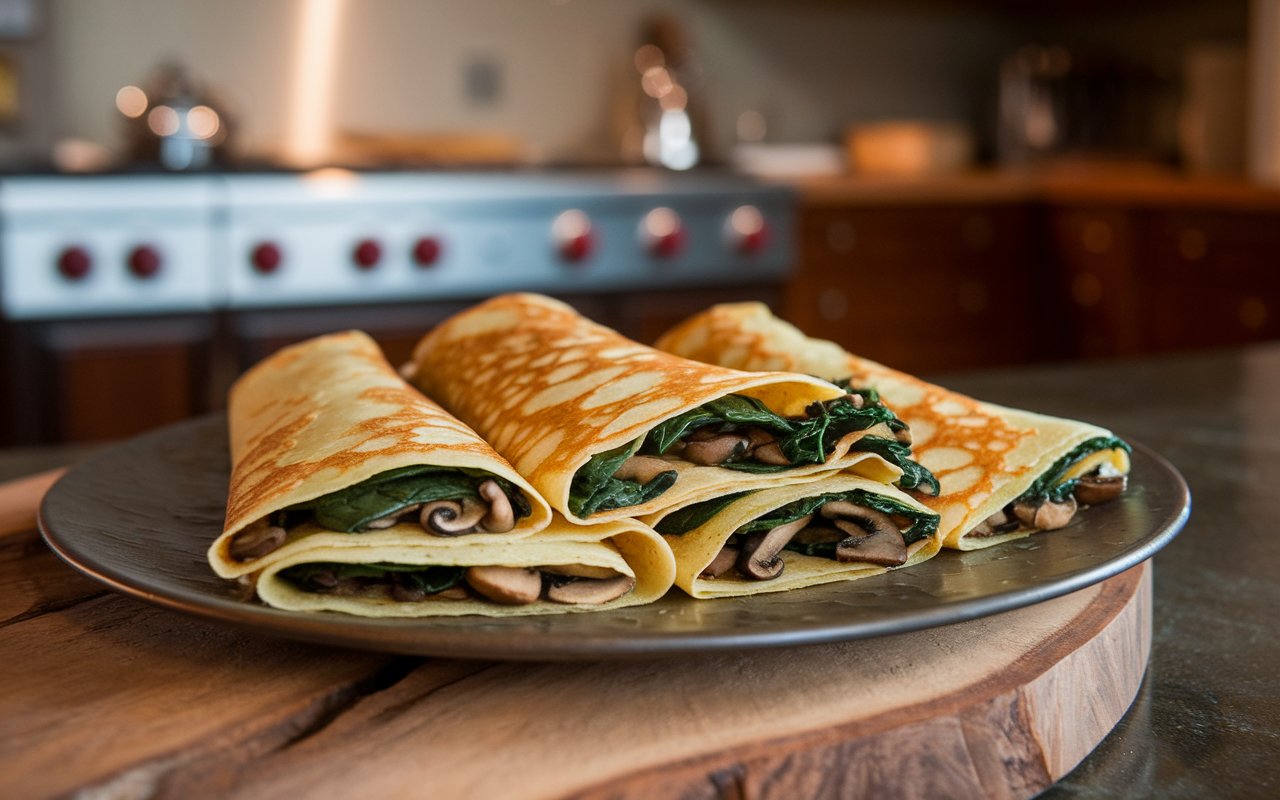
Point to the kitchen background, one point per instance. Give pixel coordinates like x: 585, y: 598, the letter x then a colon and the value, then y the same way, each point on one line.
x: 938, y: 184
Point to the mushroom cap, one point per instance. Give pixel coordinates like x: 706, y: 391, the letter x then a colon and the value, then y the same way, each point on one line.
x: 885, y: 548
x: 760, y: 557
x: 452, y: 517
x: 590, y: 591
x: 512, y: 586
x: 1094, y: 489
x: 715, y: 450
x: 500, y: 517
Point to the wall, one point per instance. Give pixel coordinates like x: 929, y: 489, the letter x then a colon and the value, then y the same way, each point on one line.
x: 809, y: 67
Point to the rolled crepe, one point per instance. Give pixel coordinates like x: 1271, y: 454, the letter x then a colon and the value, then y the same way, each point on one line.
x: 327, y: 441
x: 842, y: 527
x: 568, y: 401
x: 1004, y: 473
x: 622, y: 563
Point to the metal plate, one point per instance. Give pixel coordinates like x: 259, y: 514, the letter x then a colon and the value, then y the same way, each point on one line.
x: 139, y: 517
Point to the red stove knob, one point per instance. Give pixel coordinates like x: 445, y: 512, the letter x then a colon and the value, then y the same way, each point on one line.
x: 145, y: 261
x: 266, y: 257
x: 367, y: 254
x: 75, y: 263
x: 573, y: 236
x: 662, y: 233
x: 747, y: 230
x: 426, y: 251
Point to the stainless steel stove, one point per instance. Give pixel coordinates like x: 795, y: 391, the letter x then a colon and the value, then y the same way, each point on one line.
x: 107, y: 278
x: 73, y: 247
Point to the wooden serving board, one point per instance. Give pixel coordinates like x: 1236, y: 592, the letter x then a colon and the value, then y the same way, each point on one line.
x: 107, y: 694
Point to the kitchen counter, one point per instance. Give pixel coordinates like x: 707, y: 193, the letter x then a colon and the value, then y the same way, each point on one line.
x: 1126, y: 187
x: 1206, y: 721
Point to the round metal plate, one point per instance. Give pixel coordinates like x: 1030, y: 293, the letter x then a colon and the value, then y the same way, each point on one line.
x: 139, y: 517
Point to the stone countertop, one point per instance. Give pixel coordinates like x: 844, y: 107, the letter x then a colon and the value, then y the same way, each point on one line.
x: 1207, y: 720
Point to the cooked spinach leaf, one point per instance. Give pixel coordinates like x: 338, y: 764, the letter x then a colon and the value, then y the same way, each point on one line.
x: 1047, y: 486
x: 312, y: 577
x: 354, y: 507
x: 914, y: 474
x: 594, y: 488
x: 923, y: 523
x: 690, y: 517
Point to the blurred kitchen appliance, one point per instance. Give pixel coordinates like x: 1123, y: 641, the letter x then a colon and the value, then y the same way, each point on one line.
x: 151, y: 293
x: 1055, y: 103
x: 174, y: 123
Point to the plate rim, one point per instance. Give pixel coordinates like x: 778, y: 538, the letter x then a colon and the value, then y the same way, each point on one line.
x: 489, y: 639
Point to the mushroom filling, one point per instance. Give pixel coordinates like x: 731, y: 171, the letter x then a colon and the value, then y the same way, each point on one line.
x: 854, y: 526
x: 445, y: 502
x: 741, y: 433
x: 571, y: 584
x: 1052, y: 501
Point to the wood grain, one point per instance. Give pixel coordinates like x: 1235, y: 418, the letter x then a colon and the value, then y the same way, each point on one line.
x: 114, y: 697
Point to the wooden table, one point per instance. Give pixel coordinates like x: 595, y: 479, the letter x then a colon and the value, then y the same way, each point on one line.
x: 102, y: 691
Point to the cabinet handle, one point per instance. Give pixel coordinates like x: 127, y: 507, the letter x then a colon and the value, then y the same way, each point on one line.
x: 841, y: 237
x: 1193, y: 245
x: 1097, y: 237
x: 833, y: 305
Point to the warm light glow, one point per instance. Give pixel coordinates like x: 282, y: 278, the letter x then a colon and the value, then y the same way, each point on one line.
x: 661, y: 222
x: 656, y: 82
x: 648, y: 57
x: 311, y: 119
x: 674, y: 100
x: 203, y: 122
x: 746, y: 220
x: 163, y: 121
x: 571, y: 224
x: 131, y: 101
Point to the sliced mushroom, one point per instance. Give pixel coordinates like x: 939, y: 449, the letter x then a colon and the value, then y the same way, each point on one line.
x: 511, y: 586
x: 1094, y: 489
x: 759, y: 558
x: 581, y: 571
x: 999, y: 522
x: 715, y: 450
x: 500, y: 517
x: 453, y: 593
x: 1047, y: 516
x: 881, y: 546
x: 404, y: 593
x: 873, y: 520
x: 903, y: 436
x: 722, y: 563
x: 642, y: 469
x: 856, y: 400
x: 590, y: 592
x: 390, y: 520
x: 771, y: 454
x: 452, y: 517
x: 257, y: 540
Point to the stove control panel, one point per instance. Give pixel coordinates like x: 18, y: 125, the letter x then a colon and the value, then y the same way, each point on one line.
x: 106, y: 245
x: 113, y: 245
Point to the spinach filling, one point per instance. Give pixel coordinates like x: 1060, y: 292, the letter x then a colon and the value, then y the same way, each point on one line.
x: 920, y: 524
x: 351, y: 509
x: 331, y: 578
x: 803, y: 441
x: 1050, y: 487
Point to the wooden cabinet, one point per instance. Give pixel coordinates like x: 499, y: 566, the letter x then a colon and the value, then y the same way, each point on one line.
x: 96, y: 380
x: 922, y: 287
x: 1054, y: 273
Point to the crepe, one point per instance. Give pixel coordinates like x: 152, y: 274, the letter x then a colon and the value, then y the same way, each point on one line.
x: 625, y: 550
x: 316, y: 424
x: 569, y: 402
x: 986, y: 457
x: 803, y: 514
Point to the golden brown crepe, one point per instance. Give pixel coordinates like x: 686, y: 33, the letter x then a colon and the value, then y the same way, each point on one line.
x: 550, y: 389
x: 985, y: 456
x: 697, y: 548
x: 326, y: 415
x: 620, y: 551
